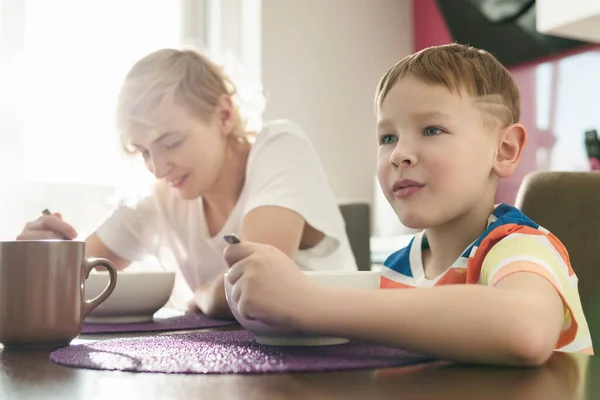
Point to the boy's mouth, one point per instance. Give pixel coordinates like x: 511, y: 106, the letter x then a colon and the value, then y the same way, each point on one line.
x: 404, y: 188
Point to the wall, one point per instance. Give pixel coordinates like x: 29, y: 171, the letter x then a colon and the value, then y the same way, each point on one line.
x: 58, y: 146
x: 429, y: 28
x: 321, y: 61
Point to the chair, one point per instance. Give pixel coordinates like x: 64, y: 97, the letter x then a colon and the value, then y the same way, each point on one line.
x: 357, y: 217
x: 568, y: 205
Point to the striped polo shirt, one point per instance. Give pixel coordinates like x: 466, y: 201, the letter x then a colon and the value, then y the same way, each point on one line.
x: 511, y: 243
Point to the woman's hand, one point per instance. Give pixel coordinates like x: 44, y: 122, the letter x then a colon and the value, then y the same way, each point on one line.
x: 210, y: 300
x: 48, y: 227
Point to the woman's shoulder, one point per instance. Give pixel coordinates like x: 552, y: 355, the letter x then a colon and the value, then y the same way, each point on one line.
x: 280, y: 129
x: 281, y: 139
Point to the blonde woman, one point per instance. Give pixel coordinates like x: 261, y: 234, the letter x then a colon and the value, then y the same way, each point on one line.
x: 177, y: 110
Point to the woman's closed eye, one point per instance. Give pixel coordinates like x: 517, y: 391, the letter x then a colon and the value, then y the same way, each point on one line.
x: 174, y: 143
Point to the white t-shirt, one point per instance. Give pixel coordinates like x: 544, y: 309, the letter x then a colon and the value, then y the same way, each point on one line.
x: 283, y: 170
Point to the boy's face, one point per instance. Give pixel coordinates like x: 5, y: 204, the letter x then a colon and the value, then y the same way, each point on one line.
x: 435, y: 155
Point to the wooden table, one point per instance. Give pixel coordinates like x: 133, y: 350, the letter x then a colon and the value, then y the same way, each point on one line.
x: 31, y: 375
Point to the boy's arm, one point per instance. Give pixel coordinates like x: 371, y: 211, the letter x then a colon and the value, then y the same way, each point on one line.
x: 517, y: 322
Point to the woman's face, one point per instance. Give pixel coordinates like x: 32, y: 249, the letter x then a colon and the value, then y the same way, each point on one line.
x: 186, y: 151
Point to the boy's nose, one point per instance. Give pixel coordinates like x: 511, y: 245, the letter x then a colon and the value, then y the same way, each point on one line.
x: 403, y: 158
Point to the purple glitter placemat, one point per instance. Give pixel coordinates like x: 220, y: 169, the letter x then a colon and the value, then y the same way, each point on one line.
x: 164, y: 320
x: 226, y: 352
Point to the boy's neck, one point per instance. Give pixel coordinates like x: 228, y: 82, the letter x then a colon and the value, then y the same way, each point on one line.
x: 448, y: 241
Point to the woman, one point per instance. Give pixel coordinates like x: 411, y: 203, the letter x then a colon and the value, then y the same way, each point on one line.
x: 213, y: 177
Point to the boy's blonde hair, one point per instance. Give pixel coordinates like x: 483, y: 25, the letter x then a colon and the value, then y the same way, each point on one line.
x: 168, y: 75
x: 460, y: 69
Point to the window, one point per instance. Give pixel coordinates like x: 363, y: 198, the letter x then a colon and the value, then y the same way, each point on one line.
x: 576, y: 105
x: 75, y: 56
x: 61, y: 65
x: 233, y: 39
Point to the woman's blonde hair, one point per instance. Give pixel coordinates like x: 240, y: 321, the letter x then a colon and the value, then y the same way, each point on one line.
x: 184, y: 77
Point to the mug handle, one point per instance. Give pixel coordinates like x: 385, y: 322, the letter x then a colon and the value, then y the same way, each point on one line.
x: 88, y: 265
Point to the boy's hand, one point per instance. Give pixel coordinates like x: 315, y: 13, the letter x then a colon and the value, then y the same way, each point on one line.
x: 268, y: 286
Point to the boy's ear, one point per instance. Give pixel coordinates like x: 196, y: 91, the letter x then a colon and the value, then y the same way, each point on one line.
x: 511, y: 142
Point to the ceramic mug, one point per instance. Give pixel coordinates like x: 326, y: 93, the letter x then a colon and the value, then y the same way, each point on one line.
x: 42, y: 291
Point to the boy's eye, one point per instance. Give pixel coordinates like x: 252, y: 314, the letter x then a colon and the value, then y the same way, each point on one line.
x: 387, y: 139
x: 431, y: 131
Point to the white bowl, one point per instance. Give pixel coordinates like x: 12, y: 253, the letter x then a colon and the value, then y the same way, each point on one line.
x: 137, y: 296
x: 268, y: 335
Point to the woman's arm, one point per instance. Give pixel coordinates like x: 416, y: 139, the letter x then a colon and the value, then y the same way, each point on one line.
x: 289, y: 202
x: 53, y: 227
x: 276, y: 226
x: 130, y: 233
x: 94, y: 247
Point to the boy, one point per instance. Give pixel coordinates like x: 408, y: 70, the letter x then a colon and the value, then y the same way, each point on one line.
x: 496, y: 287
